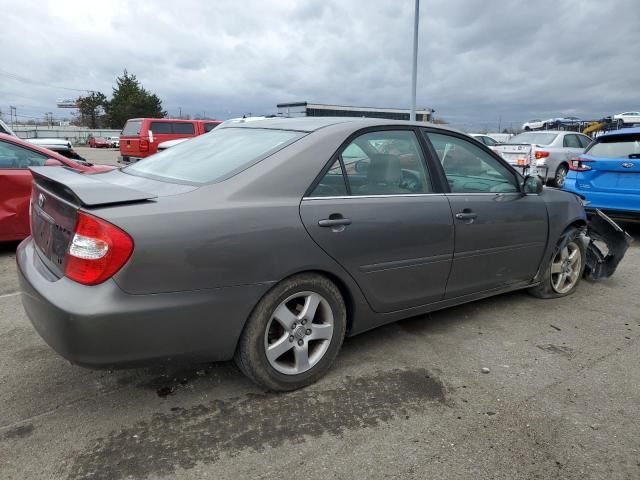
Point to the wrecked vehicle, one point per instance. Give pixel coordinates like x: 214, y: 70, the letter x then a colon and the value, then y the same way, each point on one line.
x: 16, y: 156
x: 270, y: 241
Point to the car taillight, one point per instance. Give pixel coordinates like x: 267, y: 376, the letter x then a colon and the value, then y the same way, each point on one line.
x: 144, y: 145
x: 97, y: 251
x: 580, y: 164
x: 541, y: 154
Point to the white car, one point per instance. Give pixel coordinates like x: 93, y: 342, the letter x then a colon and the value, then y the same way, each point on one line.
x: 114, y: 142
x: 628, y: 117
x: 533, y: 125
x: 485, y: 139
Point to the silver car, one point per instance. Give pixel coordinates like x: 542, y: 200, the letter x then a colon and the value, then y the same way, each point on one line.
x: 554, y: 151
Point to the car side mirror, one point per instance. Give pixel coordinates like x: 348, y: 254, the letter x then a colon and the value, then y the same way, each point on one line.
x: 532, y: 184
x: 52, y: 162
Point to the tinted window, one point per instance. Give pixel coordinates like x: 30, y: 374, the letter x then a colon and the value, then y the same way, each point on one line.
x: 183, y: 128
x: 469, y: 169
x: 210, y: 126
x: 616, y: 146
x: 214, y: 157
x: 332, y: 184
x: 537, y: 138
x: 132, y: 128
x: 571, y: 141
x: 160, y: 127
x: 14, y: 156
x: 386, y: 163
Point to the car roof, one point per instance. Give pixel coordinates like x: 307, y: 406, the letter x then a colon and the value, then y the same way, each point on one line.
x: 622, y: 131
x: 311, y: 124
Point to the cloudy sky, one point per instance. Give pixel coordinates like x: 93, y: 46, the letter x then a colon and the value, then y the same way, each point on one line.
x: 480, y: 61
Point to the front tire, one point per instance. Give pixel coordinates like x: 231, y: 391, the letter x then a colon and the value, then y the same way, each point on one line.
x: 565, y: 269
x: 294, y: 333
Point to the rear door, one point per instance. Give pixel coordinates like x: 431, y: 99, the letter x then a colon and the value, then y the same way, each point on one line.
x: 15, y: 189
x: 500, y: 234
x: 378, y: 212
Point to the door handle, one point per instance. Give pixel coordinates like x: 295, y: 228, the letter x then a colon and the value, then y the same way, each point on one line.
x: 334, y: 222
x: 467, y: 215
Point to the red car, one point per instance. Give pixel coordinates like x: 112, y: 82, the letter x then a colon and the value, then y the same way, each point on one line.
x: 140, y: 136
x: 16, y: 156
x: 99, y: 142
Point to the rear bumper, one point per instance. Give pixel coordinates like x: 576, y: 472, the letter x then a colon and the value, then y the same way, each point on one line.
x: 623, y: 206
x: 101, y: 326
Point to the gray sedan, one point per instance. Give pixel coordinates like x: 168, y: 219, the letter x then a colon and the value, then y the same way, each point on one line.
x: 269, y: 241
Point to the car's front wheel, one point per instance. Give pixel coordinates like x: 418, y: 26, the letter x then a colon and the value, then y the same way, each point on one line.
x: 294, y: 333
x: 565, y: 269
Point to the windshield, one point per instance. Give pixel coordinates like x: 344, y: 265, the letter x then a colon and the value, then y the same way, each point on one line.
x: 538, y: 138
x: 215, y: 156
x: 616, y: 146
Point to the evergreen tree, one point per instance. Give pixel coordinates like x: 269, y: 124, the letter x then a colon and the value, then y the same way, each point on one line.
x: 131, y: 100
x: 91, y: 109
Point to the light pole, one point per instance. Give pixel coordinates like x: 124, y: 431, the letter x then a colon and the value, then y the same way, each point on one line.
x: 414, y: 74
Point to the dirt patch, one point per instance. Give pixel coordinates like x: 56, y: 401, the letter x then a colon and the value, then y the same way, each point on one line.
x: 21, y: 431
x: 559, y: 349
x: 202, y: 433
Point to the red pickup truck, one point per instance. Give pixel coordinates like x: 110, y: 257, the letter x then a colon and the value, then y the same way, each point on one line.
x: 140, y: 136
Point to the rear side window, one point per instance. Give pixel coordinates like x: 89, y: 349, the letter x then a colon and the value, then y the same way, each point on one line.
x: 132, y: 128
x: 571, y: 141
x: 332, y: 184
x: 209, y: 126
x: 160, y: 127
x: 584, y: 141
x: 13, y: 156
x: 214, y: 157
x: 183, y: 128
x: 616, y: 146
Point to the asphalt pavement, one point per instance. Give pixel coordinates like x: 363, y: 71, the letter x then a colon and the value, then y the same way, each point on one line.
x: 561, y: 399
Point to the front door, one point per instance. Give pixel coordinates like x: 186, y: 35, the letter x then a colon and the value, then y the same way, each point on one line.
x: 500, y: 234
x: 376, y: 212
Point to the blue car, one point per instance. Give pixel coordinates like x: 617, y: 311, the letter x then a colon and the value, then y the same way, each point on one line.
x: 607, y: 174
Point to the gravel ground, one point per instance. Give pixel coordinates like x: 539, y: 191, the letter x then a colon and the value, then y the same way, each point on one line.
x: 511, y: 387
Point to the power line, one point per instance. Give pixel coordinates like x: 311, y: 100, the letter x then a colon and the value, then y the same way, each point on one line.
x: 18, y: 78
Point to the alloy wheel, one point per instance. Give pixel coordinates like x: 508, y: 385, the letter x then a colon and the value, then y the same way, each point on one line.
x: 299, y: 333
x: 566, y: 268
x: 561, y: 175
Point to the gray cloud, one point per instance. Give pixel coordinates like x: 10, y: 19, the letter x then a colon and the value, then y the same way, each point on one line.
x: 479, y: 60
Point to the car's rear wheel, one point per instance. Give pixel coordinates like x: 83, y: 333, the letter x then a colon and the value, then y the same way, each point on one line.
x: 561, y: 175
x: 565, y: 269
x: 294, y: 333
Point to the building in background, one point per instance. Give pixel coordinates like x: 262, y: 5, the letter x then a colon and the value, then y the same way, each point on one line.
x: 306, y: 109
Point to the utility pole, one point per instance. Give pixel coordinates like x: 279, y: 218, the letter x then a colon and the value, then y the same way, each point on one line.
x: 180, y: 110
x: 414, y: 74
x: 12, y: 113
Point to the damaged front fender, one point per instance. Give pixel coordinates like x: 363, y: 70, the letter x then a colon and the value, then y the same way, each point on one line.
x: 607, y: 244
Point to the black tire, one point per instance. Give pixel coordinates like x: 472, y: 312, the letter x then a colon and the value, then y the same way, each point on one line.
x: 560, y: 175
x: 572, y: 237
x: 251, y: 356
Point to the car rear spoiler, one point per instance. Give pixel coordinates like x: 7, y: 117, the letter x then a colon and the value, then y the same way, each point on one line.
x: 86, y: 190
x: 607, y: 245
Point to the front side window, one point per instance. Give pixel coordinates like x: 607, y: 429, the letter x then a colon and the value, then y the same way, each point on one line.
x: 215, y: 156
x: 388, y: 162
x: 469, y: 169
x: 14, y: 156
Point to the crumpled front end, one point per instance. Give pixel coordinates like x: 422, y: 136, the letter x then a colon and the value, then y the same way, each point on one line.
x: 607, y: 244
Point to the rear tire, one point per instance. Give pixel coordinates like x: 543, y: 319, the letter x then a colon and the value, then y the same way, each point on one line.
x: 561, y: 175
x: 564, y: 271
x: 294, y: 333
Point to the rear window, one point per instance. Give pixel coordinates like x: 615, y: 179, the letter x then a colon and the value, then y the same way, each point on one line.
x: 132, y: 128
x: 537, y: 138
x: 616, y: 146
x: 214, y: 157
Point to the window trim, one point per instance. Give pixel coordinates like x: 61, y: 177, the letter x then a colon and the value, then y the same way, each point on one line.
x: 434, y: 177
x: 517, y: 176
